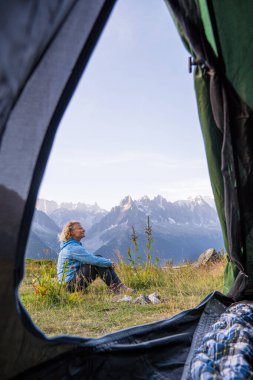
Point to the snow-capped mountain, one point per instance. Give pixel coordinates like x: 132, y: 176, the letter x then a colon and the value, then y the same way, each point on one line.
x: 181, y: 229
x: 43, y: 238
x: 48, y: 220
x: 63, y: 212
x: 46, y: 206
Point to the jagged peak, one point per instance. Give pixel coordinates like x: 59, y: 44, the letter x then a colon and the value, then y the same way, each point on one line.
x: 198, y: 199
x: 144, y: 198
x: 159, y: 198
x: 50, y: 206
x: 182, y: 202
x: 127, y: 202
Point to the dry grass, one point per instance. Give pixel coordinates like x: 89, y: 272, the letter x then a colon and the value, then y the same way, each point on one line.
x: 94, y: 313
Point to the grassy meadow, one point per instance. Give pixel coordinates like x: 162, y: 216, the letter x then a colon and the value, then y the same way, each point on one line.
x: 95, y: 312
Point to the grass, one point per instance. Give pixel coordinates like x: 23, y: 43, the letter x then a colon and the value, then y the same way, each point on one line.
x: 95, y: 313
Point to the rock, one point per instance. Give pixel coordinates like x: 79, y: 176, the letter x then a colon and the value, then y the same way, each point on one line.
x: 207, y: 257
x: 125, y: 299
x: 154, y: 298
x: 142, y: 299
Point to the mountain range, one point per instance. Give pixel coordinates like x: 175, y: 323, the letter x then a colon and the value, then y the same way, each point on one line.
x: 181, y: 230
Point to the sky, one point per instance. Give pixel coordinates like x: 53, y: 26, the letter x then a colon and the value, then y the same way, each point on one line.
x: 132, y: 126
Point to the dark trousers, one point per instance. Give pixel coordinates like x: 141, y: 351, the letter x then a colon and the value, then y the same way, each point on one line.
x: 86, y: 274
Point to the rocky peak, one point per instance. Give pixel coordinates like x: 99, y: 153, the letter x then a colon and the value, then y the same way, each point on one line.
x: 160, y: 201
x: 126, y: 203
x: 145, y: 198
x: 198, y: 200
x: 46, y: 206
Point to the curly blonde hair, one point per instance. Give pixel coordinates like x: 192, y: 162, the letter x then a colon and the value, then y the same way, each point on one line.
x: 65, y: 235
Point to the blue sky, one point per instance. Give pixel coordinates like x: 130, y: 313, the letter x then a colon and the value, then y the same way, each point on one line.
x: 132, y: 125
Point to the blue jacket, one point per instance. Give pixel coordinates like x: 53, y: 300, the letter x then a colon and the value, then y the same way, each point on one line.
x: 72, y: 255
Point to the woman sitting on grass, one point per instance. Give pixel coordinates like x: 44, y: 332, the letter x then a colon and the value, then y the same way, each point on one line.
x: 78, y: 267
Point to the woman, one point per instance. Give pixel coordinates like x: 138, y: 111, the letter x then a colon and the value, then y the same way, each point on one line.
x: 78, y: 267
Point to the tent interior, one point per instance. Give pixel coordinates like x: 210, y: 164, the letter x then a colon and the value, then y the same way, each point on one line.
x: 45, y: 46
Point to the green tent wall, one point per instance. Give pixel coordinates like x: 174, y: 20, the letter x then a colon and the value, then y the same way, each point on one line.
x: 218, y: 33
x: 45, y: 45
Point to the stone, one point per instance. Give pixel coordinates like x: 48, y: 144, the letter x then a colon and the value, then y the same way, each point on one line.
x: 125, y: 299
x: 142, y: 299
x: 154, y: 298
x: 207, y: 257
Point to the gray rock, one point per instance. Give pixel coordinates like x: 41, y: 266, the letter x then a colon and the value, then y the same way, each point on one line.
x: 154, y: 298
x: 207, y: 257
x: 142, y: 299
x: 125, y: 299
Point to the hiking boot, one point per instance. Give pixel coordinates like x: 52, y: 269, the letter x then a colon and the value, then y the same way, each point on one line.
x: 122, y: 288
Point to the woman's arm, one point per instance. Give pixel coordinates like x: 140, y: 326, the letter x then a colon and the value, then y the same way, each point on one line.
x: 79, y: 253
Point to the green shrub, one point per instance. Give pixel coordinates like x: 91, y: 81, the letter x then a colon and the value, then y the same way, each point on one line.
x: 46, y: 286
x: 141, y: 276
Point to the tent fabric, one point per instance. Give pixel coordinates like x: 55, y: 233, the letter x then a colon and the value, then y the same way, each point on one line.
x: 160, y: 350
x: 45, y: 46
x: 35, y: 24
x: 235, y: 39
x: 223, y: 85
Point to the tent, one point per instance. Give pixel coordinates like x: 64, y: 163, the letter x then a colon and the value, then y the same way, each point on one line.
x: 45, y: 45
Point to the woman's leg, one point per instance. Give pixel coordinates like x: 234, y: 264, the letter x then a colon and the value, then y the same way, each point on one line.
x: 89, y: 273
x: 83, y: 277
x: 109, y: 276
x: 86, y: 274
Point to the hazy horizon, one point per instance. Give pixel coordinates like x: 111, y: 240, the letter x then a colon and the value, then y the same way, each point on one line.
x: 205, y: 197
